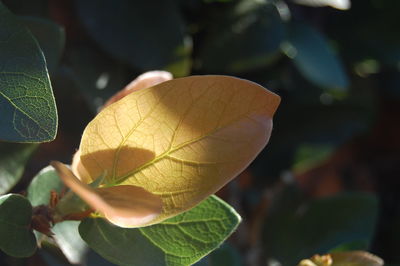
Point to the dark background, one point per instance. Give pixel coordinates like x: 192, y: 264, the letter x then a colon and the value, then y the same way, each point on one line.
x: 336, y: 133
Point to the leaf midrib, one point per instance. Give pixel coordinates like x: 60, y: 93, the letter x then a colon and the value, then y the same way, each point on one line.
x: 172, y: 150
x: 169, y: 152
x: 163, y: 155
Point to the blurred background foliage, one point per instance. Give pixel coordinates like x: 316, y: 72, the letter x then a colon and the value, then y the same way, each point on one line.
x: 328, y: 179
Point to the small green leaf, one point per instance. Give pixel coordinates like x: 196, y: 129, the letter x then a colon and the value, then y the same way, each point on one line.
x: 16, y: 237
x: 69, y: 241
x: 44, y: 182
x: 315, y: 227
x: 314, y: 57
x: 50, y: 36
x: 136, y: 32
x: 181, y: 240
x: 27, y: 106
x: 13, y: 158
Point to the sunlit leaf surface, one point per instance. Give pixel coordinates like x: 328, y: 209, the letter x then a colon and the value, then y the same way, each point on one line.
x: 182, y: 139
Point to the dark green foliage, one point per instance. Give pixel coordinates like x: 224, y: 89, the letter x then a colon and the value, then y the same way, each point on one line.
x: 337, y: 72
x: 253, y: 28
x: 305, y: 228
x: 13, y: 158
x: 27, y: 106
x: 50, y: 37
x: 146, y: 34
x: 16, y: 237
x: 314, y: 58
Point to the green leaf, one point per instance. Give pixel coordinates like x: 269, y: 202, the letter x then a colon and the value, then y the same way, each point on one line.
x: 13, y: 158
x: 136, y: 32
x: 65, y: 233
x: 16, y: 237
x: 181, y: 240
x: 47, y: 180
x: 50, y: 36
x: 44, y: 182
x: 315, y: 227
x: 246, y: 38
x: 27, y: 106
x: 67, y: 237
x: 314, y: 57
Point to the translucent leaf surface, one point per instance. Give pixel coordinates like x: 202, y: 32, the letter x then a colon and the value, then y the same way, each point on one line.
x: 182, y: 139
x: 13, y: 158
x: 181, y: 240
x: 16, y: 237
x: 27, y: 106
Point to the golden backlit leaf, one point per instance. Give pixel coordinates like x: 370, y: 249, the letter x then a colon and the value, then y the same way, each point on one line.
x: 182, y: 139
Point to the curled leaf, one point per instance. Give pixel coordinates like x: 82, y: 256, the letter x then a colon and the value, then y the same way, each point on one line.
x: 182, y: 139
x: 78, y: 169
x: 122, y: 205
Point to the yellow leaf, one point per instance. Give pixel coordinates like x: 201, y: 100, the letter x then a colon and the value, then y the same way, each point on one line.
x: 181, y: 140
